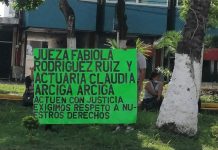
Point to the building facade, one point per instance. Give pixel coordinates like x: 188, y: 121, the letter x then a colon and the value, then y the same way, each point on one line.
x: 9, y: 53
x: 146, y: 19
x: 45, y: 27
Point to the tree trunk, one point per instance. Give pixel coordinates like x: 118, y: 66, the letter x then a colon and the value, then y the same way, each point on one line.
x: 70, y: 21
x: 122, y: 27
x: 171, y: 15
x: 179, y: 109
x: 100, y: 16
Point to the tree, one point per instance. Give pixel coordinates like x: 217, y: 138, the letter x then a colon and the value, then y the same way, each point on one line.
x: 171, y: 15
x: 179, y: 109
x: 24, y: 4
x: 212, y: 15
x: 100, y: 15
x: 69, y: 16
x: 168, y: 42
x: 170, y: 39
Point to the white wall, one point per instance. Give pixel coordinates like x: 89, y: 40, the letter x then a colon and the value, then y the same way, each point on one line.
x: 34, y: 40
x: 6, y: 11
x: 1, y: 10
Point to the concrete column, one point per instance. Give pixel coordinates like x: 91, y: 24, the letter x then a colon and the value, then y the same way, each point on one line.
x: 52, y: 43
x: 71, y: 43
x: 13, y: 46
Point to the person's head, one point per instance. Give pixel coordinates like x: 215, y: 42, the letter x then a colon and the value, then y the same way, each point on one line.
x: 131, y: 43
x: 155, y: 75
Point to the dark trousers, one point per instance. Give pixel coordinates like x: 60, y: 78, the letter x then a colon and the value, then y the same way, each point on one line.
x: 151, y: 103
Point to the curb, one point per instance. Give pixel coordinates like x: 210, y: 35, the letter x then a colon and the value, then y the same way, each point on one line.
x: 10, y: 97
x: 209, y: 105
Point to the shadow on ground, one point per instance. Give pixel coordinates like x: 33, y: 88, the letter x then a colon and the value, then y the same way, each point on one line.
x: 98, y: 137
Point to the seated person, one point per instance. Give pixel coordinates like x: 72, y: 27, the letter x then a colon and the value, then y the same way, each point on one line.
x: 29, y: 85
x: 153, y: 92
x: 29, y: 92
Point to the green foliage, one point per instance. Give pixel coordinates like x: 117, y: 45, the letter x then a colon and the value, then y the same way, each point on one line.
x: 112, y: 43
x: 26, y: 4
x: 15, y: 89
x: 184, y: 9
x: 213, y: 13
x: 165, y: 72
x: 211, y: 41
x: 141, y: 46
x: 145, y: 49
x: 206, y: 98
x: 30, y: 123
x: 169, y: 41
x: 214, y: 131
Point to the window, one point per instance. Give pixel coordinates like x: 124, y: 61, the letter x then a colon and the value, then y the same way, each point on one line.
x: 154, y: 2
x: 89, y: 0
x: 139, y: 2
x: 144, y: 2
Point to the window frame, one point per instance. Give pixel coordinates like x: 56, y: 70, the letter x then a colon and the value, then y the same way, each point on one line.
x: 92, y: 1
x: 137, y: 3
x: 177, y: 4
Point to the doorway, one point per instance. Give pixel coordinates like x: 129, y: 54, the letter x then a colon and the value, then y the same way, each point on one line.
x: 5, y: 54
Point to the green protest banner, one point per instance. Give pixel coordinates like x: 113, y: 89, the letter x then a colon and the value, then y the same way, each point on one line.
x: 85, y: 86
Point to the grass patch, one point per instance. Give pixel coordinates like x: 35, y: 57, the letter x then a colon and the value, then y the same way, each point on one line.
x: 100, y: 137
x: 12, y: 88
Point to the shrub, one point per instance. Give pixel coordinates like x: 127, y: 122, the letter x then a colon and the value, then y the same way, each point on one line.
x: 214, y: 131
x: 30, y: 123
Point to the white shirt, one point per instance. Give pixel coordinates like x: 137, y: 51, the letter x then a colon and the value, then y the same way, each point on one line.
x: 141, y: 62
x: 154, y: 89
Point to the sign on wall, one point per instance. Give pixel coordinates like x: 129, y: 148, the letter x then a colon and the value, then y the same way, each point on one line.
x: 85, y: 86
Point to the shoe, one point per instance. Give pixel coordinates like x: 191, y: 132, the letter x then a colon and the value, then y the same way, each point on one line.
x: 118, y: 128
x: 129, y: 128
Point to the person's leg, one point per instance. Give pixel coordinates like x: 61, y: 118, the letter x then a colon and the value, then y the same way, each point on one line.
x: 129, y: 128
x: 143, y: 105
x: 119, y: 127
x: 48, y: 127
x: 160, y: 97
x: 159, y: 92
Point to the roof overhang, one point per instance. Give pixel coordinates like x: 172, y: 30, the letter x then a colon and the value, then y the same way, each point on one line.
x: 46, y: 30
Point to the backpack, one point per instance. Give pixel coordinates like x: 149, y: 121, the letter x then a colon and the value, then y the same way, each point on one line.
x: 28, y: 95
x: 27, y: 98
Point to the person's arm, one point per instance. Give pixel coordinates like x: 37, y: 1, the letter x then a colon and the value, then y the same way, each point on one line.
x: 31, y: 75
x: 142, y: 71
x: 150, y: 90
x: 141, y: 79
